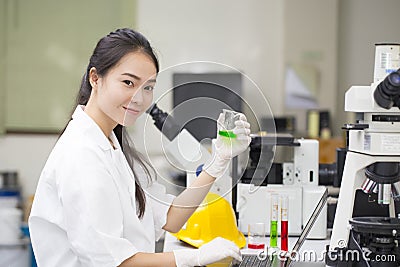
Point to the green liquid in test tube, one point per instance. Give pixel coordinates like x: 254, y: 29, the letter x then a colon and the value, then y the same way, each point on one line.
x: 228, y: 134
x: 273, y: 239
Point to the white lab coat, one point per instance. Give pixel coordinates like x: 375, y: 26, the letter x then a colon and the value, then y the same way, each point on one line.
x: 84, y: 211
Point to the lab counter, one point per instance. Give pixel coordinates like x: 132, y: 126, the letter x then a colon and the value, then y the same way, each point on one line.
x: 311, y: 253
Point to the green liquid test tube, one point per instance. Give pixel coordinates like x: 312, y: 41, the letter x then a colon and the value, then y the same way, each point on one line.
x: 228, y: 134
x: 273, y: 239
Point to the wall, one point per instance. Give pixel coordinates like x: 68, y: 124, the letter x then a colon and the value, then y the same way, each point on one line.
x: 311, y: 37
x: 246, y: 36
x: 2, y: 63
x: 362, y: 24
x: 48, y: 48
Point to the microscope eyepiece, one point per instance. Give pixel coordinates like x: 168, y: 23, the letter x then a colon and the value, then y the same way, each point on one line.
x: 153, y: 110
x: 387, y: 92
x: 394, y: 78
x: 164, y: 122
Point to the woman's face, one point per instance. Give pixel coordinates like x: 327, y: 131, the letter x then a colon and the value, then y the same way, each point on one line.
x: 126, y: 91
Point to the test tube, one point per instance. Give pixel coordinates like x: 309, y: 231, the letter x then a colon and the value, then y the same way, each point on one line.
x: 273, y: 240
x: 230, y: 117
x: 284, y: 222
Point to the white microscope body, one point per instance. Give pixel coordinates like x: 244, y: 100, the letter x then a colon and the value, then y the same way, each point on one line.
x: 374, y: 139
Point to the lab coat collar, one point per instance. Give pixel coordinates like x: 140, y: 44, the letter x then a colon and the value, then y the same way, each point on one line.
x: 86, y: 123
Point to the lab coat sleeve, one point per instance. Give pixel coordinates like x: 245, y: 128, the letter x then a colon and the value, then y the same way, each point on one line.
x: 160, y: 202
x: 92, y: 210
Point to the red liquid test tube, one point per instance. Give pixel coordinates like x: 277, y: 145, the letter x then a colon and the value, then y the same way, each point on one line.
x: 284, y: 222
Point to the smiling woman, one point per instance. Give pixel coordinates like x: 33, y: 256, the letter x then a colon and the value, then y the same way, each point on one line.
x: 90, y: 206
x: 124, y: 93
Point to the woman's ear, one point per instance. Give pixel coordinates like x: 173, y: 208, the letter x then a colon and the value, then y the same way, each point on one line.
x: 93, y: 77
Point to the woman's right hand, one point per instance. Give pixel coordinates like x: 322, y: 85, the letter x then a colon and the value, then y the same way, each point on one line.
x: 227, y: 148
x: 217, y: 249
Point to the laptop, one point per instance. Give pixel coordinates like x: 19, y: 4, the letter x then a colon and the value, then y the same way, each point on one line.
x: 266, y: 261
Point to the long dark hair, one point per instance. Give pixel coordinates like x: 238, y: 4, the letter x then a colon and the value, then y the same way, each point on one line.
x: 107, y: 53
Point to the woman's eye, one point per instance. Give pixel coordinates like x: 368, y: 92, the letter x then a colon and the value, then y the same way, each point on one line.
x: 149, y: 88
x: 129, y: 83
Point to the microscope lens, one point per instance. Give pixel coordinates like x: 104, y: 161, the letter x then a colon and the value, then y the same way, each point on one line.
x: 368, y: 186
x: 375, y: 189
x: 396, y: 190
x: 380, y: 193
x: 386, y: 193
x: 373, y: 186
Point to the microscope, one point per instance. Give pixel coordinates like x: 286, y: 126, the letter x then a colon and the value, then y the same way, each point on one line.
x: 298, y: 180
x: 369, y: 234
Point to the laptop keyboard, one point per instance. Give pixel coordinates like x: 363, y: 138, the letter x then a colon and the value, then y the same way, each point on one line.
x: 253, y: 260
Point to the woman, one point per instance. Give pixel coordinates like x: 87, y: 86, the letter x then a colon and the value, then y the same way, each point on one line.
x: 90, y: 207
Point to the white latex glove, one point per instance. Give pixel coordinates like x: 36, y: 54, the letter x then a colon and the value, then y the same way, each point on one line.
x: 217, y: 249
x: 227, y: 148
